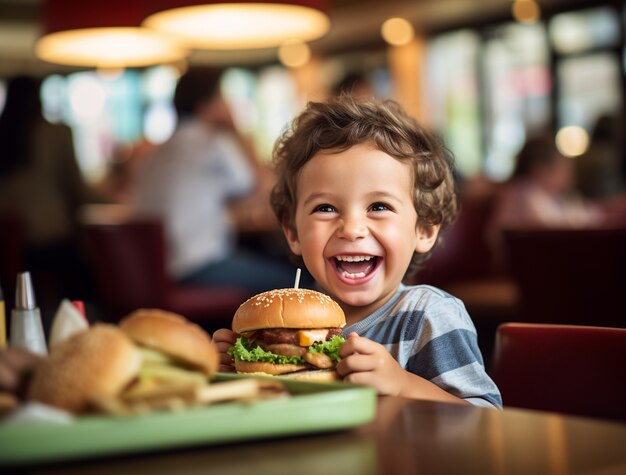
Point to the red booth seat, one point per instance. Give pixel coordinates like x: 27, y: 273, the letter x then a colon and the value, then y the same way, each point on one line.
x: 562, y: 368
x: 128, y: 259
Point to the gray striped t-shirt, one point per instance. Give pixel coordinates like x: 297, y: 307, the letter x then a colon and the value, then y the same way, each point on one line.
x: 430, y: 334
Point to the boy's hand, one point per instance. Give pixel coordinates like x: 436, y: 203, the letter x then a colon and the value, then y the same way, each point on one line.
x: 366, y: 362
x: 224, y: 339
x: 15, y: 365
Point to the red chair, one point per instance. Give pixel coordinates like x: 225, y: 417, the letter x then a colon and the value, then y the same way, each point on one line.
x: 562, y: 368
x: 569, y: 276
x: 128, y: 261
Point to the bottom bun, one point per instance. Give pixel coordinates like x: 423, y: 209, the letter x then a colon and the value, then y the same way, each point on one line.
x: 291, y: 371
x: 317, y: 375
x: 267, y: 368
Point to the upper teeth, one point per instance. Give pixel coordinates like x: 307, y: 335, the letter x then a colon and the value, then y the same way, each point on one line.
x: 354, y: 258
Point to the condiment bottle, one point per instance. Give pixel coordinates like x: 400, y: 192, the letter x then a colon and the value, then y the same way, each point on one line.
x: 26, y: 328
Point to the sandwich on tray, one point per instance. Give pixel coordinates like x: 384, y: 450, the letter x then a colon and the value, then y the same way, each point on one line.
x: 289, y: 332
x: 150, y: 354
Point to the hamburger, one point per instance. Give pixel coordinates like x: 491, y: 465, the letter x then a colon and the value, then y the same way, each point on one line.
x: 173, y: 349
x: 291, y: 332
x: 100, y: 361
x: 150, y: 350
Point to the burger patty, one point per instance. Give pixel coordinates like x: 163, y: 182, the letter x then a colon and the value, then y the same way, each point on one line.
x: 272, y: 336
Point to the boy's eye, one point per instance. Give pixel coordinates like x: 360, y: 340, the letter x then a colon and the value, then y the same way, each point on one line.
x: 324, y: 208
x: 379, y: 207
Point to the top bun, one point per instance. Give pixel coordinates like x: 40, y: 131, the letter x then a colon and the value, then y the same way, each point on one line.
x: 173, y: 335
x: 288, y: 308
x: 99, y: 361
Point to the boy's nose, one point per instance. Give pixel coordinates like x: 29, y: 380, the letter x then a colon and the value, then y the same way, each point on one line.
x: 351, y: 228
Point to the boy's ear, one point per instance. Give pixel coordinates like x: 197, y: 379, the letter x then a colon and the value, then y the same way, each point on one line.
x: 426, y: 238
x: 292, y: 239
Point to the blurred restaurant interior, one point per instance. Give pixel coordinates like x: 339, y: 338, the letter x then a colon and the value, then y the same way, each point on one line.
x: 484, y: 74
x: 529, y: 96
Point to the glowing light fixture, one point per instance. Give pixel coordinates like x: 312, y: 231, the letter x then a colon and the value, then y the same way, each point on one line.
x: 526, y: 11
x: 242, y: 25
x: 294, y: 53
x: 397, y: 31
x: 572, y: 140
x: 102, y: 34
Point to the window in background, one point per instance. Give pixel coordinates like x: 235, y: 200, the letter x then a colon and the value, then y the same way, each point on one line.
x: 453, y: 96
x: 574, y: 32
x: 157, y: 87
x: 239, y: 89
x: 277, y: 103
x: 103, y: 111
x: 589, y: 86
x: 516, y: 92
x: 54, y: 101
x: 588, y: 72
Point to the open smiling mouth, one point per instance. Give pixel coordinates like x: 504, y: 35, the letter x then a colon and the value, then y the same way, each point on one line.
x: 356, y: 267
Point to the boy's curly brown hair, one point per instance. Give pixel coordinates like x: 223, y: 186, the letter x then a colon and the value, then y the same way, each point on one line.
x: 343, y: 122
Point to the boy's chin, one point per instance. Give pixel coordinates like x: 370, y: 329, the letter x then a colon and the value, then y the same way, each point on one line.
x: 356, y: 296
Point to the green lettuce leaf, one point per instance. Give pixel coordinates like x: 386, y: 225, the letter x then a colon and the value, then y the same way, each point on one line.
x: 330, y: 347
x: 243, y: 350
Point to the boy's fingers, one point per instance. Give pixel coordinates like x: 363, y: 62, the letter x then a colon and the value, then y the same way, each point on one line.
x: 224, y: 335
x: 223, y: 346
x: 20, y: 359
x: 14, y: 364
x: 357, y: 344
x: 9, y: 380
x: 355, y: 363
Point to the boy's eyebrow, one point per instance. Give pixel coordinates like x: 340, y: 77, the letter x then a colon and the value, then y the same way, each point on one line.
x: 316, y: 196
x: 374, y: 195
x: 383, y: 194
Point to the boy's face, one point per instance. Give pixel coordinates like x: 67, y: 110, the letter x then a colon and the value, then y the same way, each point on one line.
x: 356, y: 225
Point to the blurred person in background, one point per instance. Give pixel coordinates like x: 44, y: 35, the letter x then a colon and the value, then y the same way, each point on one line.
x: 42, y: 187
x: 598, y: 170
x: 541, y: 193
x: 542, y: 190
x: 189, y: 183
x: 356, y: 84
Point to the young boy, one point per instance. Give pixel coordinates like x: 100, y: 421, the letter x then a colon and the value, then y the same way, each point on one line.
x: 362, y: 194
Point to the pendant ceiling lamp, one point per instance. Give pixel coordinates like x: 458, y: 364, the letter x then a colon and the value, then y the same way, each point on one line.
x: 103, y: 34
x: 241, y: 24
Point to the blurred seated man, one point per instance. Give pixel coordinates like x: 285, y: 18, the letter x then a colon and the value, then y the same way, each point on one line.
x: 541, y: 193
x: 189, y: 182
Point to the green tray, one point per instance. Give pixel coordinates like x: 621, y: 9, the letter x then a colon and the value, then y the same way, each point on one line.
x: 313, y: 407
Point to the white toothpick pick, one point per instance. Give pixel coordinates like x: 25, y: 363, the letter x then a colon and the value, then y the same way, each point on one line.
x: 297, y: 282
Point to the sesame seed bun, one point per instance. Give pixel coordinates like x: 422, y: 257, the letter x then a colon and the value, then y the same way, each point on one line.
x: 173, y: 335
x: 100, y: 361
x: 288, y: 308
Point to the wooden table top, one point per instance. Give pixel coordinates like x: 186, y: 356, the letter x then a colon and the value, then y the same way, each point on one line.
x: 407, y: 437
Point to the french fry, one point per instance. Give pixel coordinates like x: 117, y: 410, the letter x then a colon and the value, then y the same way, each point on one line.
x: 162, y: 391
x: 178, y: 397
x: 242, y: 389
x: 110, y: 405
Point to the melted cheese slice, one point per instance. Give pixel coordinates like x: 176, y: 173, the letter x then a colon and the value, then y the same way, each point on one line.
x: 308, y: 337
